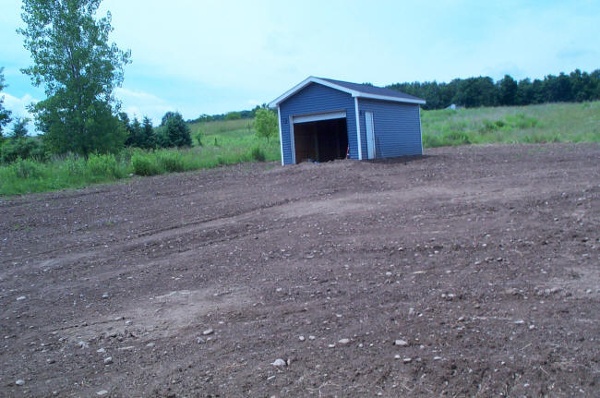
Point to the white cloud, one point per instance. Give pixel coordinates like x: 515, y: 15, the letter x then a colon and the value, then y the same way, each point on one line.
x: 137, y: 103
x: 18, y: 107
x: 211, y: 56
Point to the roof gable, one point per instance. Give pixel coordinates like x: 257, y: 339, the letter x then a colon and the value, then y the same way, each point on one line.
x: 354, y: 89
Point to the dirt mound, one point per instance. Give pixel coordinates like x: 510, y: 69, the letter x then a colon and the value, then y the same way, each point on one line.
x: 473, y: 271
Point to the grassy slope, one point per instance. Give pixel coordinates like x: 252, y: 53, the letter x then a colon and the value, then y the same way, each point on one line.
x: 226, y: 142
x: 528, y: 124
x: 231, y: 140
x: 234, y: 141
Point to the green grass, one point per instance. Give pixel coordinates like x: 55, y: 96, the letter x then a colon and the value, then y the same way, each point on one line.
x: 234, y: 141
x: 27, y: 176
x: 223, y: 143
x: 529, y: 124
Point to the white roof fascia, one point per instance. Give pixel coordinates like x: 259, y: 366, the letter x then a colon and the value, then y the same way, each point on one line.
x: 336, y: 87
x: 306, y: 82
x: 353, y: 93
x: 394, y: 99
x: 275, y: 103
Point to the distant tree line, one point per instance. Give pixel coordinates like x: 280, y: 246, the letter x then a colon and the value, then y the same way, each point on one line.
x: 236, y: 115
x: 473, y: 92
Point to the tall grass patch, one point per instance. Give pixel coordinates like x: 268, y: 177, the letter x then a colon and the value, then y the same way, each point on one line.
x: 145, y: 164
x: 105, y: 167
x: 531, y: 124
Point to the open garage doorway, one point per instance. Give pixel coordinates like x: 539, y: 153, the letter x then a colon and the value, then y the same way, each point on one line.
x: 321, y: 140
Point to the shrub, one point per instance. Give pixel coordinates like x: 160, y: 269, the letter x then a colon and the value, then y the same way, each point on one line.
x: 456, y: 138
x: 488, y: 126
x: 540, y: 138
x: 24, y: 148
x: 258, y: 154
x: 198, y: 138
x: 27, y: 168
x: 105, y: 165
x: 73, y: 165
x: 431, y: 141
x: 266, y: 123
x: 144, y: 165
x: 522, y: 121
x: 171, y: 161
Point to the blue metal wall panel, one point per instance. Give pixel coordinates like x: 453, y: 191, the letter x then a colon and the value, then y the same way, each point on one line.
x: 397, y: 128
x: 316, y: 98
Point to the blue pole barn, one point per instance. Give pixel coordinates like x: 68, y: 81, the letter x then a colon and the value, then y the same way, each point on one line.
x: 324, y: 119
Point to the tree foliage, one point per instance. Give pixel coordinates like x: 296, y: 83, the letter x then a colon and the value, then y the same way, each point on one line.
x: 19, y: 129
x: 265, y: 123
x: 79, y: 70
x: 577, y: 86
x: 174, y: 131
x: 507, y: 91
x: 4, y: 113
x: 20, y: 146
x: 139, y: 135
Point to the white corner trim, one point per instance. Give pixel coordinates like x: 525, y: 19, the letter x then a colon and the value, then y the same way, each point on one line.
x: 292, y: 139
x: 280, y: 134
x: 421, y: 131
x: 291, y: 92
x: 358, y: 137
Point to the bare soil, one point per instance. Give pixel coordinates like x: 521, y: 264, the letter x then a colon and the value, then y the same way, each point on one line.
x: 472, y: 271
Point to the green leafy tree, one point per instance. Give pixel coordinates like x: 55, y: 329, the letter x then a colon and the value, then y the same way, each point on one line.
x: 4, y: 113
x: 174, y: 131
x: 476, y: 91
x: 233, y: 116
x: 20, y: 145
x: 22, y: 148
x: 265, y: 123
x: 79, y: 70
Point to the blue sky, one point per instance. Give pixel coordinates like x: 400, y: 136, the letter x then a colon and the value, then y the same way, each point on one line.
x: 215, y: 56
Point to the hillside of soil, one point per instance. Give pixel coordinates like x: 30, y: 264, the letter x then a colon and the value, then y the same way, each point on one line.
x: 471, y: 271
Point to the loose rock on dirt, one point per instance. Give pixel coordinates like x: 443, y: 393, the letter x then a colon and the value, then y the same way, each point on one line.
x: 484, y: 258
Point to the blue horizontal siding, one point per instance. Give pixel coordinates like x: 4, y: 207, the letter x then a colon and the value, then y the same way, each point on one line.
x: 397, y: 128
x: 314, y: 99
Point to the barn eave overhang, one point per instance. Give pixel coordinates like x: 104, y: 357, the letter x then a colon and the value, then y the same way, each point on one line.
x: 354, y: 93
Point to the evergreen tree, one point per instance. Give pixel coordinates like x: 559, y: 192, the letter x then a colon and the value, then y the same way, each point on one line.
x: 174, y: 132
x: 508, y: 88
x: 149, y: 138
x: 19, y: 129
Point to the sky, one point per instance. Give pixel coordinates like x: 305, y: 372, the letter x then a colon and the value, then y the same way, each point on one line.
x: 215, y: 56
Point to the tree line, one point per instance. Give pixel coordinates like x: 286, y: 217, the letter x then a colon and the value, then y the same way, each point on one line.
x: 235, y: 115
x: 576, y: 86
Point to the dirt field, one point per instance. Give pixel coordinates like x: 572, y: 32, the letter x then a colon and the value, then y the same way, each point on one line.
x: 473, y: 271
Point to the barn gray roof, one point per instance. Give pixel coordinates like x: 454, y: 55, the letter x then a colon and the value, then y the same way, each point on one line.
x: 354, y: 89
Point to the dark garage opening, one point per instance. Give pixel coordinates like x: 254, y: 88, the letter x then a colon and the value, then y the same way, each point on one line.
x: 321, y: 141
